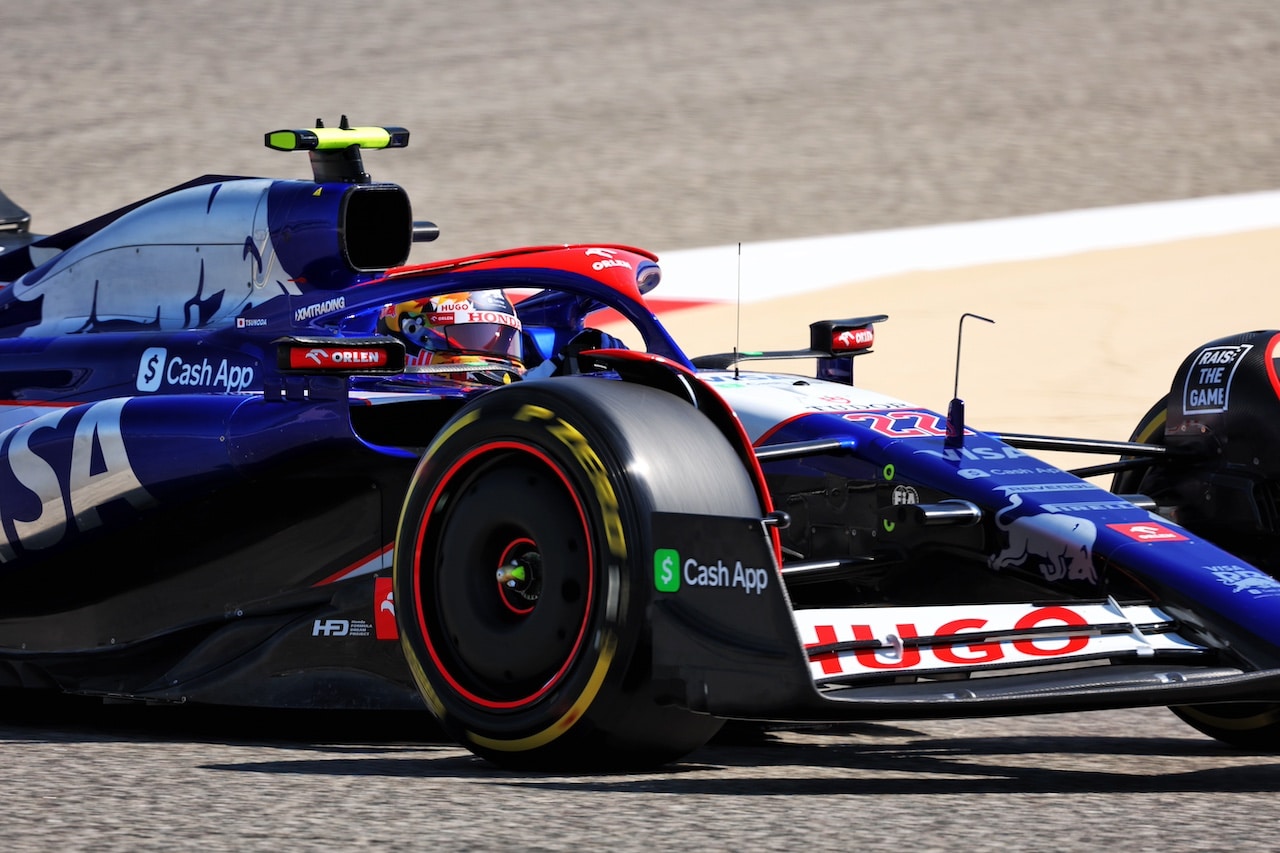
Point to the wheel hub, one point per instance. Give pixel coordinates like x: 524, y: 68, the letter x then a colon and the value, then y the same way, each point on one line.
x: 519, y: 576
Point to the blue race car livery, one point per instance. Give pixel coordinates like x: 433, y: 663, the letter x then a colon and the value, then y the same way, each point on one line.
x: 249, y: 456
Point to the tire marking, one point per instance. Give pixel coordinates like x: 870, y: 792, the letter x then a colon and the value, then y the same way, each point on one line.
x: 581, y: 449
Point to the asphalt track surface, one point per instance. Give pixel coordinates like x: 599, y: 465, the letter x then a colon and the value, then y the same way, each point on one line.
x: 670, y: 125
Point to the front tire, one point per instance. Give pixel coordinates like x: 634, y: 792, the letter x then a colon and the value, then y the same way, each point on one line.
x: 1150, y: 430
x: 1245, y: 725
x: 523, y: 562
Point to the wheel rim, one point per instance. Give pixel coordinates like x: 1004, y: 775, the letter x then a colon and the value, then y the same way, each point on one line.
x: 502, y: 576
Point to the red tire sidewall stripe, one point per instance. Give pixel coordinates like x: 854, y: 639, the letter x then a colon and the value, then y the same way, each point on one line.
x: 419, y: 610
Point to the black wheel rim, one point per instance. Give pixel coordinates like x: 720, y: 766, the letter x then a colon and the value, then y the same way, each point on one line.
x: 502, y: 573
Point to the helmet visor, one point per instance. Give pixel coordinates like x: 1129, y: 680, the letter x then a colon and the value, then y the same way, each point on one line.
x: 490, y: 338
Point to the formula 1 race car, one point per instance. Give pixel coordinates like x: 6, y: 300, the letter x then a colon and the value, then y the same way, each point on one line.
x: 251, y: 458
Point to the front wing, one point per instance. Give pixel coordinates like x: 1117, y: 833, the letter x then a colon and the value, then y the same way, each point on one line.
x: 727, y: 642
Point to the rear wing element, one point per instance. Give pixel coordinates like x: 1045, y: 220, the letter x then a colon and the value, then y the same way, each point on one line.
x: 833, y: 342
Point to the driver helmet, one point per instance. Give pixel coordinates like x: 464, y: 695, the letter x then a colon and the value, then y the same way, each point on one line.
x: 449, y: 333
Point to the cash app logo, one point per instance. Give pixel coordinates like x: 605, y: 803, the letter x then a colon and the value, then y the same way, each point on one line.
x: 666, y: 570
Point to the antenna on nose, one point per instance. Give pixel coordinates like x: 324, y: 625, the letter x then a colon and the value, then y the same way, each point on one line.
x: 955, y: 410
x: 737, y: 334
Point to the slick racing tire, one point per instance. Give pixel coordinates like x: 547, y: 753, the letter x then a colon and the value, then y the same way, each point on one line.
x: 523, y: 567
x: 1150, y: 430
x: 1248, y: 725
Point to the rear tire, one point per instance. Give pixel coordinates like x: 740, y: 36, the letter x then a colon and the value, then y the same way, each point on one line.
x: 523, y: 566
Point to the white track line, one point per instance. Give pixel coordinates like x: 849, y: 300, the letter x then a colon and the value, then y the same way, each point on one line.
x: 780, y: 267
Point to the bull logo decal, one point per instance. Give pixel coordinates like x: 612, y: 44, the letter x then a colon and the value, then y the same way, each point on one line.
x: 1061, y: 544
